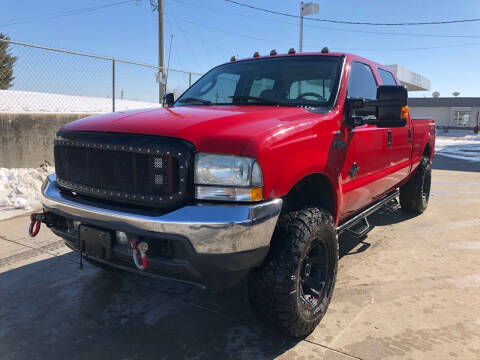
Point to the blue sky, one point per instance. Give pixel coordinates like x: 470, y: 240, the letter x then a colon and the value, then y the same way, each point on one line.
x: 207, y: 33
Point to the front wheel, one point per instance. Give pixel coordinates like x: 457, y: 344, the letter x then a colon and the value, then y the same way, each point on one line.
x: 414, y: 195
x: 293, y: 287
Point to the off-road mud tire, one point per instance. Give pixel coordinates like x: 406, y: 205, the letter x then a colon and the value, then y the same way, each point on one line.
x: 275, y: 288
x: 415, y: 194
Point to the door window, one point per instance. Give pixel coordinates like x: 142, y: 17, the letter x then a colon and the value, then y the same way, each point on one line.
x: 362, y: 83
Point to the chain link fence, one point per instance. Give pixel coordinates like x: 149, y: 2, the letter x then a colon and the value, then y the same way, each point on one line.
x: 48, y: 80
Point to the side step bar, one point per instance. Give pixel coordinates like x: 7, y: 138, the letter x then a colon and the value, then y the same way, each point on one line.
x: 362, y: 217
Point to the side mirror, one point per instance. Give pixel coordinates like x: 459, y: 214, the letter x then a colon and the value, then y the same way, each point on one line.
x: 390, y: 102
x: 168, y: 100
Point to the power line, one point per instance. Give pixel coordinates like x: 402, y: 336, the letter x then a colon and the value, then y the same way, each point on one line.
x: 354, y: 22
x: 229, y: 32
x: 325, y: 27
x: 59, y: 14
x: 309, y: 45
x: 414, y: 48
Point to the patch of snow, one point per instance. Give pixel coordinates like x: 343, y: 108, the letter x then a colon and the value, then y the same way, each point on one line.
x: 475, y: 137
x: 466, y: 147
x: 20, y: 190
x: 13, y: 101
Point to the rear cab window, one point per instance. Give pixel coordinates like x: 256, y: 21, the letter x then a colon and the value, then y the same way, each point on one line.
x: 387, y: 77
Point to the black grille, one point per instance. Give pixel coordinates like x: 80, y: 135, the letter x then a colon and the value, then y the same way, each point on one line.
x: 138, y: 169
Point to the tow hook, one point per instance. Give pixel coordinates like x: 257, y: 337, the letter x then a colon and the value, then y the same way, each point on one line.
x: 36, y: 220
x: 139, y: 253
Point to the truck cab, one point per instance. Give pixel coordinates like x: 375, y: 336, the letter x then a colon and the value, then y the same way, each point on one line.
x: 251, y: 173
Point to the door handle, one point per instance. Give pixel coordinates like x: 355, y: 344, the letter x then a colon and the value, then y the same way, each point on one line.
x: 409, y: 136
x: 389, y: 138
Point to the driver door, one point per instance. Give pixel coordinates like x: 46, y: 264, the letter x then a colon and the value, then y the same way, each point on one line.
x: 365, y: 156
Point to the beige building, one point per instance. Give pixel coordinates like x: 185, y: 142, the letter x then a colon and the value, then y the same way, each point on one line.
x: 456, y: 113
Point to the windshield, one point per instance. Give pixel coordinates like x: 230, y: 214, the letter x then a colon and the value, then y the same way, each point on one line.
x: 287, y: 81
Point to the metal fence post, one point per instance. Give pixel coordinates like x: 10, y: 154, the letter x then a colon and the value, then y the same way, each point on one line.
x: 189, y: 79
x: 113, y: 85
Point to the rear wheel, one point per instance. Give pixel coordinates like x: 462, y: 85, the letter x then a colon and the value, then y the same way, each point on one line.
x: 293, y: 287
x: 415, y: 194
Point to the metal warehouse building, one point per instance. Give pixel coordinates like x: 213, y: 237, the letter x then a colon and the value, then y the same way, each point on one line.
x: 456, y: 113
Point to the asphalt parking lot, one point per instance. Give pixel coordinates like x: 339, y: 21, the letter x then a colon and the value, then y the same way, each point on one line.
x: 410, y: 290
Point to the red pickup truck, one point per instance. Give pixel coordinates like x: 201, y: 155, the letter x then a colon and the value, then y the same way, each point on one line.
x: 253, y: 171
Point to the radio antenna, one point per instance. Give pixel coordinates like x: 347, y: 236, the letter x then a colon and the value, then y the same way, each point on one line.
x: 168, y: 65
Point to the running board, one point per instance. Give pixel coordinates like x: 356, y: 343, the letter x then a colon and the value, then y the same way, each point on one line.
x: 362, y: 217
x: 393, y: 205
x: 362, y: 231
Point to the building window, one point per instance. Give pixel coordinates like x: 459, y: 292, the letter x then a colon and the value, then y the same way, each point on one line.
x: 462, y: 118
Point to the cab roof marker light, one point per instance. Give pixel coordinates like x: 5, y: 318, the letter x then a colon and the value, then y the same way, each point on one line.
x: 325, y: 50
x: 233, y: 58
x: 273, y: 52
x: 256, y: 54
x: 291, y: 51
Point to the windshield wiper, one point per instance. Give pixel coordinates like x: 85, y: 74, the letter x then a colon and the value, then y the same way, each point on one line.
x: 197, y: 100
x: 258, y: 99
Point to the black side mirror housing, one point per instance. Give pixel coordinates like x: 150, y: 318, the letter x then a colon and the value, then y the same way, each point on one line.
x: 390, y: 101
x: 356, y: 103
x: 168, y: 100
x: 388, y: 108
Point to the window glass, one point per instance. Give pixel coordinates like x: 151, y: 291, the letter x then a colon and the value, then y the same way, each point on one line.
x: 260, y: 85
x: 362, y: 83
x: 387, y: 77
x: 220, y: 90
x: 314, y: 89
x: 462, y: 118
x: 284, y: 80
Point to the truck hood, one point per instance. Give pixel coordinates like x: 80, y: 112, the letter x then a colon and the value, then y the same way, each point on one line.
x: 223, y: 129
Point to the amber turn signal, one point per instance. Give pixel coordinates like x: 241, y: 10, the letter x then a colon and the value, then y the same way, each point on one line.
x: 256, y: 194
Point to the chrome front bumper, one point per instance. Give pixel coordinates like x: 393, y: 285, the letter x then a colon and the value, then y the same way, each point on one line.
x: 211, y: 229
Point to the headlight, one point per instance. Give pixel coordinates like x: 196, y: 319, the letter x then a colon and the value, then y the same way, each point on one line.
x: 227, y: 177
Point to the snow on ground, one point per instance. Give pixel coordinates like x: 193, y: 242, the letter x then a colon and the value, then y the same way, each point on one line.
x: 20, y: 190
x: 459, y: 146
x: 13, y: 101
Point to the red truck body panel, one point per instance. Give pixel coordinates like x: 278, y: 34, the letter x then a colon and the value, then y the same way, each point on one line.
x: 292, y: 143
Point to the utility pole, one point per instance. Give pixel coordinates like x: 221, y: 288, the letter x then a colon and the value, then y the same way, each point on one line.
x: 161, y: 70
x: 300, y: 41
x: 305, y: 9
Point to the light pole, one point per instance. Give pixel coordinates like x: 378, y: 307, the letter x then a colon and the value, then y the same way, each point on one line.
x: 305, y: 9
